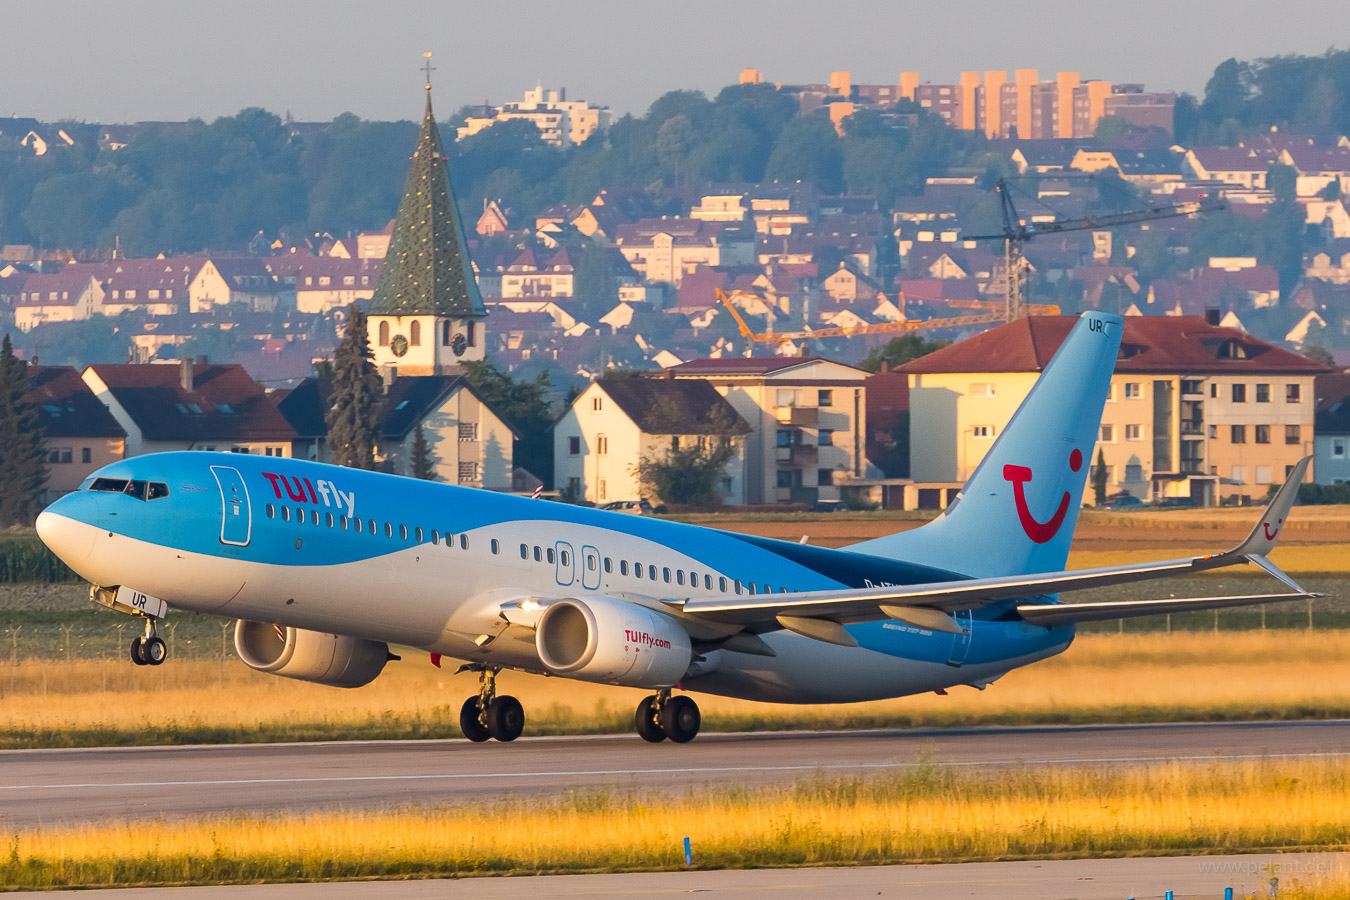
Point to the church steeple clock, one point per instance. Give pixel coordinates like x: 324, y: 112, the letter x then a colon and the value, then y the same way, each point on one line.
x: 427, y: 315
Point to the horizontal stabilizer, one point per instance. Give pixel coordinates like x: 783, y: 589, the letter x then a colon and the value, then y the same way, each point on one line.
x: 1048, y: 614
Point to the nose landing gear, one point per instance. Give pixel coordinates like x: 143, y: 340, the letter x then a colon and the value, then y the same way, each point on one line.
x: 149, y: 650
x: 488, y: 715
x: 662, y: 716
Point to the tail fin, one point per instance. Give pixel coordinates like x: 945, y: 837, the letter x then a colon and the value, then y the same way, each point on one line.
x: 1017, y: 512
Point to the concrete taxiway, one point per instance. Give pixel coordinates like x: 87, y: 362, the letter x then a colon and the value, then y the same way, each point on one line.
x: 45, y: 787
x: 1079, y: 879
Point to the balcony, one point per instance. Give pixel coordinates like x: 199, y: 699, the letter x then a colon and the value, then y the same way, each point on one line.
x: 1192, y: 428
x: 1193, y: 467
x: 804, y: 416
x: 797, y: 455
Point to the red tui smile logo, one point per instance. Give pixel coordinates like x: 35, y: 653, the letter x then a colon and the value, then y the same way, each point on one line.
x: 1265, y: 526
x: 1040, y: 532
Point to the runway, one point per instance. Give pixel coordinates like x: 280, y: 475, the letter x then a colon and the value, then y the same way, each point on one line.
x: 1070, y: 879
x: 46, y: 787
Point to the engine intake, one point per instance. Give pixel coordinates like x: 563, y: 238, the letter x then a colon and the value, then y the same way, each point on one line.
x: 612, y: 642
x: 330, y: 659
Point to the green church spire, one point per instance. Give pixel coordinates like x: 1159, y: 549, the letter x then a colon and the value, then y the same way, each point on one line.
x: 427, y: 271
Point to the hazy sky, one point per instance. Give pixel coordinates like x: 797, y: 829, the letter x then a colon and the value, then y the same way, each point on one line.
x: 129, y: 60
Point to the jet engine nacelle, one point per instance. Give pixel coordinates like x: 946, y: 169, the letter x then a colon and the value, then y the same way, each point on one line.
x: 330, y: 659
x: 612, y: 642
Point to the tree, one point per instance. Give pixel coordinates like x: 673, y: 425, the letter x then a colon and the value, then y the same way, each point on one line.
x: 1099, y: 478
x: 900, y: 350
x: 422, y: 465
x: 23, y: 469
x: 1318, y: 354
x: 1282, y: 181
x: 689, y: 471
x: 808, y: 149
x: 352, y: 431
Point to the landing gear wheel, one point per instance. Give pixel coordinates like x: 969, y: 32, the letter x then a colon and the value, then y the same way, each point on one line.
x: 473, y: 729
x: 647, y: 727
x: 505, y: 718
x: 680, y: 719
x: 154, y: 650
x: 138, y: 652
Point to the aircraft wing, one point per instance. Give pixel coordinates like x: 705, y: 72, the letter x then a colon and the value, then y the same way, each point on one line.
x: 818, y: 613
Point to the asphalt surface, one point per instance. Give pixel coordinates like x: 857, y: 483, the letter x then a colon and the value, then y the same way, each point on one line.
x: 1072, y: 879
x: 46, y: 787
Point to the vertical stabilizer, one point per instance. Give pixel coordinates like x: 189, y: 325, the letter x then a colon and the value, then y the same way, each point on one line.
x: 1017, y: 512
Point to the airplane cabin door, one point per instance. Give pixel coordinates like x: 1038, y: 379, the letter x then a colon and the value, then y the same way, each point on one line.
x: 590, y: 568
x: 236, y: 518
x: 961, y: 642
x: 566, y: 565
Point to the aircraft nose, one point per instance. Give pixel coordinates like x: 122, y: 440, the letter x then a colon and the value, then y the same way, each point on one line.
x: 65, y: 533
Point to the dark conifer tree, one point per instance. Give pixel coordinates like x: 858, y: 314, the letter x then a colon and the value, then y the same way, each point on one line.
x: 422, y: 465
x: 23, y: 468
x: 352, y: 431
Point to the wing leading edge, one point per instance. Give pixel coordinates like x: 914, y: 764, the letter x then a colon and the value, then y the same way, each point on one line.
x: 926, y: 605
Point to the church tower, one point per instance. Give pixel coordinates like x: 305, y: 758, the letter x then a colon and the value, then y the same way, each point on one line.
x: 427, y: 315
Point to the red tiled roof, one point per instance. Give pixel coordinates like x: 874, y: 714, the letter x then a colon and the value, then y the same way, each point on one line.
x: 67, y: 407
x: 154, y: 397
x: 1162, y: 344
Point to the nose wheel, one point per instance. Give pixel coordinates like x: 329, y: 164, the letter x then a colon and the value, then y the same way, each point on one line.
x: 662, y: 716
x: 149, y: 650
x: 488, y: 715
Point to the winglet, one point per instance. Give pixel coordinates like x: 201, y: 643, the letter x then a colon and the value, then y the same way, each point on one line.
x: 1267, y: 531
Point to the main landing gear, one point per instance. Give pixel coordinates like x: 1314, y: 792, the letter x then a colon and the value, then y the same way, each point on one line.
x: 151, y: 649
x: 662, y: 716
x: 489, y: 716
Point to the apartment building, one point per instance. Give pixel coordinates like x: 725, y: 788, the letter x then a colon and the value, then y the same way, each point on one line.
x: 808, y: 423
x: 560, y: 121
x: 1195, y: 410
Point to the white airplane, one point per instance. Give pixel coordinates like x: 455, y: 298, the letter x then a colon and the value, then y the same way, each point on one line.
x: 326, y: 567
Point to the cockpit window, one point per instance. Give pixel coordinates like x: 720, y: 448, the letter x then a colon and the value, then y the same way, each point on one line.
x: 141, y: 490
x: 112, y: 485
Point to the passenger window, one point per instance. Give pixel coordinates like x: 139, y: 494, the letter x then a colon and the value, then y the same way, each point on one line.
x: 751, y: 587
x: 271, y: 511
x: 374, y: 527
x: 679, y: 576
x: 435, y: 537
x: 721, y: 584
x: 449, y: 540
x: 524, y: 551
x: 590, y: 563
x: 342, y: 522
x: 403, y: 532
x: 565, y: 557
x: 538, y: 555
x: 421, y: 535
x: 550, y: 554
x: 328, y: 519
x: 637, y: 570
x: 651, y: 573
x: 496, y: 547
x: 767, y: 589
x: 738, y: 585
x: 623, y: 567
x: 665, y: 572
x: 358, y: 524
x: 464, y: 542
x: 285, y: 514
x: 693, y: 578
x: 707, y: 582
x: 388, y: 530
x: 609, y: 566
x: 314, y: 517
x: 300, y: 515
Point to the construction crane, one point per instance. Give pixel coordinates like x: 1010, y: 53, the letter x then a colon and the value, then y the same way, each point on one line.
x: 783, y: 337
x: 1016, y: 233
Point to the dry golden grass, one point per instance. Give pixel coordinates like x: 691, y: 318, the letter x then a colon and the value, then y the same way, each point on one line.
x: 1293, y: 558
x: 925, y: 815
x: 1102, y: 678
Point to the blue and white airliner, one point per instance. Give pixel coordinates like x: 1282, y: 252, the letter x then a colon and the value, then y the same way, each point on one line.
x: 326, y: 567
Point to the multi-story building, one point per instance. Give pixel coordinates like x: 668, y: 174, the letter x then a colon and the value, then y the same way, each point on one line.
x: 560, y: 121
x: 808, y: 422
x: 1194, y: 411
x: 667, y: 249
x: 616, y: 423
x: 1332, y: 465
